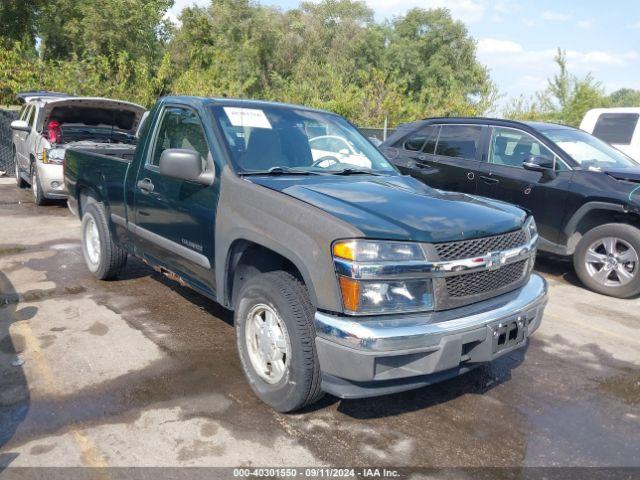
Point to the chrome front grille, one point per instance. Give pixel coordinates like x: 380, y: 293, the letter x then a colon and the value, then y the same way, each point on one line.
x: 480, y: 246
x: 478, y: 283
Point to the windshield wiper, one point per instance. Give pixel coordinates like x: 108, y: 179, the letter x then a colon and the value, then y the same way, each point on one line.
x: 352, y: 171
x: 279, y: 171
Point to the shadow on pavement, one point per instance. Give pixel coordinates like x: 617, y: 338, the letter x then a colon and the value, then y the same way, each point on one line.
x: 14, y: 390
x: 476, y: 382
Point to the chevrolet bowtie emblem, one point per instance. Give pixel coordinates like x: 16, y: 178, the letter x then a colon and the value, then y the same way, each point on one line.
x: 495, y: 260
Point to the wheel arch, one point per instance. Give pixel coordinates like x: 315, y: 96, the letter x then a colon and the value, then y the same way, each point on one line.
x: 86, y: 195
x: 593, y: 214
x: 247, y: 256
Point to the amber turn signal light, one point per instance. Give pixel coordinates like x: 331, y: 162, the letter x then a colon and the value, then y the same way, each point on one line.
x: 350, y: 293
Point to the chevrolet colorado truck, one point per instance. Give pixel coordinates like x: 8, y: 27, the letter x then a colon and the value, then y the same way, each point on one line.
x: 344, y: 278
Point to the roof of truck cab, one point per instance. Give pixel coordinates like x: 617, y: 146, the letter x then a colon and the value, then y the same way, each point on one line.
x: 238, y: 102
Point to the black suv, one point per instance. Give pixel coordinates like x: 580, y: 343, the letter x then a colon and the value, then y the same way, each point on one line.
x: 584, y: 194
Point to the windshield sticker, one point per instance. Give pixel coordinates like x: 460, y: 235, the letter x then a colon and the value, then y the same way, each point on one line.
x: 247, y: 117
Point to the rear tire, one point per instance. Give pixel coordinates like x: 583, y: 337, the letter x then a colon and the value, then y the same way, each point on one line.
x: 607, y: 260
x: 297, y: 384
x: 103, y: 257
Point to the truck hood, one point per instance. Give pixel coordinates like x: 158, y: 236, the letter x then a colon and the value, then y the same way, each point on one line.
x: 629, y: 174
x: 400, y: 207
x: 102, y: 112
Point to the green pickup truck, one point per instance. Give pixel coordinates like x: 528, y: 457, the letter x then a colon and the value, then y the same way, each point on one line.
x: 344, y: 276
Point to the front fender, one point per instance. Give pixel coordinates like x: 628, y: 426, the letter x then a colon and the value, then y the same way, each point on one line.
x: 292, y: 228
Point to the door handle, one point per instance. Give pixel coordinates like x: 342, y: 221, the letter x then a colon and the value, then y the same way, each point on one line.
x: 145, y: 185
x: 422, y: 157
x: 489, y: 180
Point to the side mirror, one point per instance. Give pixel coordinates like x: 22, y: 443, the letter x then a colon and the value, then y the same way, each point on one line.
x: 184, y: 164
x: 21, y: 125
x: 538, y: 164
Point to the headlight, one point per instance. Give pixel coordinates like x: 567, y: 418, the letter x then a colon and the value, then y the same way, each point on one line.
x: 53, y: 155
x: 363, y: 297
x: 531, y: 227
x: 372, y: 251
x: 380, y: 295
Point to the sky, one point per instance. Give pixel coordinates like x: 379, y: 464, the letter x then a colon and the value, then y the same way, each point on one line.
x: 517, y: 39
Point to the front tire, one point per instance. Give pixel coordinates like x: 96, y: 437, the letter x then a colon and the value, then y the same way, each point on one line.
x: 275, y: 336
x: 38, y: 197
x: 103, y: 257
x: 607, y: 260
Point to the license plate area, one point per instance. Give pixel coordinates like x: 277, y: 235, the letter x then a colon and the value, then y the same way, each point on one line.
x: 507, y: 334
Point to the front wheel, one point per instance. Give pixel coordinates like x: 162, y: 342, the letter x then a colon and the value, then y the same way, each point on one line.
x: 607, y: 260
x: 103, y: 257
x: 276, y: 340
x: 38, y: 197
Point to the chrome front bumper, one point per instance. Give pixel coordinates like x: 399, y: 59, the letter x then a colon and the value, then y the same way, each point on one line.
x: 368, y: 356
x: 52, y: 180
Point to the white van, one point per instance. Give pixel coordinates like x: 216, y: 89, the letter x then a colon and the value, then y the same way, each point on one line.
x: 618, y: 126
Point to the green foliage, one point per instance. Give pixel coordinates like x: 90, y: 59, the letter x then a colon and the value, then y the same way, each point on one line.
x: 18, y: 21
x: 79, y: 28
x: 566, y: 99
x: 329, y: 54
x: 625, y: 97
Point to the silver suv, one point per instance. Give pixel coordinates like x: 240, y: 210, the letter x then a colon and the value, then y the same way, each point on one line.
x: 50, y: 123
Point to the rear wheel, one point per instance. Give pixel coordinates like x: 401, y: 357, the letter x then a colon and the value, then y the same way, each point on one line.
x: 103, y: 257
x: 607, y: 260
x: 276, y: 340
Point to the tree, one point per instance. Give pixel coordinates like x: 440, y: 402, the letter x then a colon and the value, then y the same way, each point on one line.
x: 329, y: 54
x: 18, y: 20
x: 625, y: 97
x: 437, y: 57
x: 565, y: 100
x: 78, y: 28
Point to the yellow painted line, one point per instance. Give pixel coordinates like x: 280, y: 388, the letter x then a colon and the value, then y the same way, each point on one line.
x: 89, y: 452
x: 593, y: 328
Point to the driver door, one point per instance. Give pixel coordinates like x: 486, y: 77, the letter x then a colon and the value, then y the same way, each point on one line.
x: 503, y: 177
x: 175, y: 218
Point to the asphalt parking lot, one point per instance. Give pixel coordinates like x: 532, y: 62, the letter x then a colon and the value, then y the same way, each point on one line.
x: 141, y: 371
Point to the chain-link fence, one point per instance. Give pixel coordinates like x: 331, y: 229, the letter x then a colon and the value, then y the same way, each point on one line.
x: 6, y: 151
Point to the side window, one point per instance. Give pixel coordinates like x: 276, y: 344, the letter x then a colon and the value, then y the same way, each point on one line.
x: 459, y: 141
x: 28, y: 116
x: 430, y: 144
x: 180, y: 128
x: 417, y: 140
x: 512, y: 147
x: 22, y: 112
x: 616, y: 128
x: 32, y: 116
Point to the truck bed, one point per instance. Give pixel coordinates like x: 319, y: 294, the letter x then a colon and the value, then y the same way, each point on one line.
x: 105, y: 169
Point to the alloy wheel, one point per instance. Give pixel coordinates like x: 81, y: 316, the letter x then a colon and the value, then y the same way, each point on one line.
x: 612, y: 261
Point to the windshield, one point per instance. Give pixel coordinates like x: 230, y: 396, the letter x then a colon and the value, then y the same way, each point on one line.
x: 273, y: 137
x: 587, y: 150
